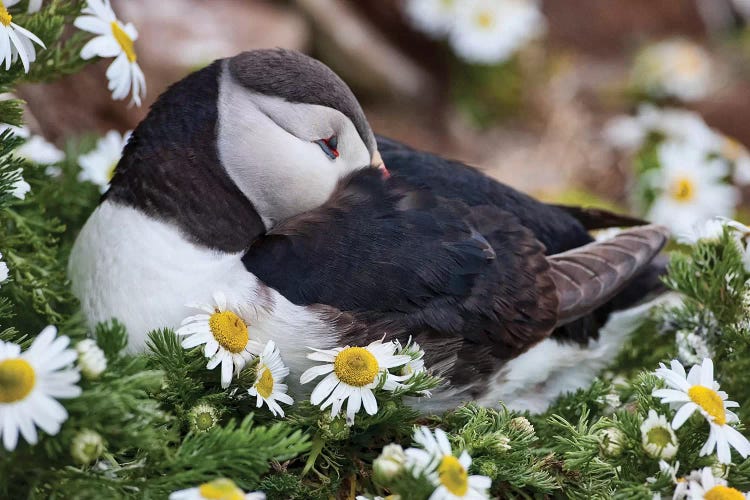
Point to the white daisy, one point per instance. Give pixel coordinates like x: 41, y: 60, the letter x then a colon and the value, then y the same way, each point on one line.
x: 91, y: 359
x: 216, y: 489
x: 737, y: 153
x: 20, y: 187
x: 657, y: 437
x: 223, y: 333
x: 269, y: 375
x: 87, y: 446
x: 699, y: 391
x: 691, y: 188
x: 491, y: 31
x: 202, y: 417
x: 676, y: 68
x: 709, y: 230
x: 611, y: 441
x: 30, y: 384
x: 36, y: 148
x: 676, y: 125
x: 415, y: 364
x: 4, y: 271
x: 98, y: 166
x: 450, y: 474
x: 352, y: 373
x: 434, y: 17
x: 15, y: 41
x: 712, y: 488
x: 114, y: 39
x: 390, y: 462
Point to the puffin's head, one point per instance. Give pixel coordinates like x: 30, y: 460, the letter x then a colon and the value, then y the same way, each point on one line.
x: 288, y: 130
x: 275, y: 128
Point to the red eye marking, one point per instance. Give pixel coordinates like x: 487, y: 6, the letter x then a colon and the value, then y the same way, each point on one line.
x: 332, y: 143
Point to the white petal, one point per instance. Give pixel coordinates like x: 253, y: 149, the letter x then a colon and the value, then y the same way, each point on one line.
x: 93, y: 25
x: 683, y: 414
x: 226, y: 372
x: 738, y: 441
x: 369, y: 402
x: 707, y: 373
x: 324, y: 388
x: 100, y: 46
x: 315, y: 372
x: 10, y: 428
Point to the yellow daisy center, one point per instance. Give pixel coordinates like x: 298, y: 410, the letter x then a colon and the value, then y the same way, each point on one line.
x: 5, y: 17
x: 356, y: 366
x: 229, y: 331
x: 264, y: 385
x: 485, y: 19
x: 453, y: 476
x: 659, y: 436
x: 710, y: 401
x: 683, y: 190
x: 17, y: 379
x: 723, y: 493
x: 126, y: 43
x: 221, y: 489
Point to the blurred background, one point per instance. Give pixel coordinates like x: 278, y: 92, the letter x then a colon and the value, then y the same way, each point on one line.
x: 641, y: 105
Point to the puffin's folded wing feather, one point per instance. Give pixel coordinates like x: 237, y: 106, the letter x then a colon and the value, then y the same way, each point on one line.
x: 399, y: 256
x: 589, y: 276
x: 596, y: 218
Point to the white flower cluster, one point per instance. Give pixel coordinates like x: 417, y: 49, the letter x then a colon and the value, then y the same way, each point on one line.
x: 114, y: 39
x: 698, y: 391
x: 352, y: 374
x: 686, y: 394
x: 687, y: 185
x: 479, y: 31
x: 675, y: 68
x: 433, y: 458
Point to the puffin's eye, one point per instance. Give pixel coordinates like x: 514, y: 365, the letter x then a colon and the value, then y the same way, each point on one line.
x: 329, y: 146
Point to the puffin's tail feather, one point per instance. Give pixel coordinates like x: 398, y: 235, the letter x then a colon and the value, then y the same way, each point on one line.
x: 590, y: 276
x: 596, y: 218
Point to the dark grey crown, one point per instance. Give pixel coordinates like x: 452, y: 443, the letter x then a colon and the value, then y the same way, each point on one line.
x: 298, y: 78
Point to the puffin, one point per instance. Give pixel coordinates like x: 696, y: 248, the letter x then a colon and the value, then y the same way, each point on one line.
x: 260, y: 177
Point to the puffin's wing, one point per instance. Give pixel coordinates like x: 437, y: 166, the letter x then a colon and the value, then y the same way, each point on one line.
x: 589, y: 276
x: 399, y: 256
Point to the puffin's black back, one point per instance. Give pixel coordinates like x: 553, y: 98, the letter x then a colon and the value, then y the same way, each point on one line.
x: 553, y: 226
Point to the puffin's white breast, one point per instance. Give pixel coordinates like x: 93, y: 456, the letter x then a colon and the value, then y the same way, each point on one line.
x: 142, y: 271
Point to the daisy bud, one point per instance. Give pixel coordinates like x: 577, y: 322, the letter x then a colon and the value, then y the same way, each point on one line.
x: 611, y: 441
x: 91, y: 359
x: 612, y: 400
x: 334, y: 428
x: 390, y: 463
x: 658, y: 438
x: 87, y: 447
x: 521, y: 424
x: 202, y: 417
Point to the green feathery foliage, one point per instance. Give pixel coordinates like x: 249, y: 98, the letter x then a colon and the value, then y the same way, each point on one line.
x: 158, y: 421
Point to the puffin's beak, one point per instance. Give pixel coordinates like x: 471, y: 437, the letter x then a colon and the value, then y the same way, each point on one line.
x: 377, y: 162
